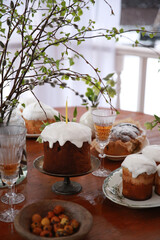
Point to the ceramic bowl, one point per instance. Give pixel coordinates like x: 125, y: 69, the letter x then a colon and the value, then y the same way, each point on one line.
x: 22, y: 221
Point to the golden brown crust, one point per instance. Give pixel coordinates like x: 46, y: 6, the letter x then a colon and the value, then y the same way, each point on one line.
x: 33, y: 126
x: 157, y: 184
x: 120, y: 148
x: 67, y: 159
x: 126, y: 138
x: 139, y: 188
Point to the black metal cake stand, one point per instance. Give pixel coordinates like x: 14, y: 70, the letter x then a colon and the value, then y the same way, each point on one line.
x: 66, y: 187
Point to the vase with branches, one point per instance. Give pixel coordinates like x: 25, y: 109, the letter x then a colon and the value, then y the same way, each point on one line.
x: 30, y: 64
x: 38, y: 27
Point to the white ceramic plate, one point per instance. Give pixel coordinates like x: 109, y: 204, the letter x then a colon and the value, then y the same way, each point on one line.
x: 32, y: 135
x: 112, y: 188
x: 122, y: 157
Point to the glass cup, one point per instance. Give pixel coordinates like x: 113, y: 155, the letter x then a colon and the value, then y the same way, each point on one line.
x: 103, y: 120
x: 12, y: 142
x: 16, y: 197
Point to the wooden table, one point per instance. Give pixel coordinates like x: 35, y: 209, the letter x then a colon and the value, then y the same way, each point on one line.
x: 110, y: 220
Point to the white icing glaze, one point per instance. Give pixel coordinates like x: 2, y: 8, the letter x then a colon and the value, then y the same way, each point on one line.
x: 158, y: 170
x: 26, y: 101
x: 138, y: 163
x: 153, y: 152
x: 62, y: 132
x: 34, y: 112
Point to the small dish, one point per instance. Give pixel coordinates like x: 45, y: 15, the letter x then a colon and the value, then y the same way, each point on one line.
x: 122, y: 157
x: 112, y: 189
x: 23, y: 219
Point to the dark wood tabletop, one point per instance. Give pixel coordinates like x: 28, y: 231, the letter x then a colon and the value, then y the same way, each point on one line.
x: 110, y: 220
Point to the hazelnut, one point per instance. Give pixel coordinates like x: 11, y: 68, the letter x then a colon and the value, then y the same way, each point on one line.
x: 37, y: 230
x: 55, y: 219
x: 35, y: 224
x: 36, y: 218
x: 47, y: 228
x: 46, y: 234
x: 60, y: 232
x: 74, y: 224
x: 64, y: 221
x: 45, y: 221
x: 50, y: 214
x: 58, y: 209
x: 68, y: 229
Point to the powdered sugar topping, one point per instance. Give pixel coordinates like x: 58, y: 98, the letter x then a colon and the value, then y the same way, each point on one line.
x: 124, y: 132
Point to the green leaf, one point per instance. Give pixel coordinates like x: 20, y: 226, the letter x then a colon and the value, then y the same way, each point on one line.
x: 108, y: 76
x: 2, y: 30
x: 4, y: 62
x: 80, y: 12
x: 143, y: 28
x: 75, y: 112
x: 63, y: 3
x: 1, y: 44
x: 148, y: 125
x: 111, y: 82
x: 58, y: 119
x: 23, y: 105
x: 76, y: 19
x: 136, y: 43
x: 8, y: 22
x: 121, y: 30
x: 151, y: 35
x: 157, y: 118
x: 63, y: 13
x: 12, y: 4
x: 57, y: 63
x: 111, y: 91
x: 71, y: 62
x: 66, y: 77
x: 143, y: 34
x: 39, y: 139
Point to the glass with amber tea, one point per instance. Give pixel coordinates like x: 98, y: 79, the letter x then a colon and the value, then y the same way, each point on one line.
x: 12, y: 142
x: 103, y: 120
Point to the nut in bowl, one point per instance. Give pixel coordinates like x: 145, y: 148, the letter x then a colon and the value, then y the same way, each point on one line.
x: 45, y: 210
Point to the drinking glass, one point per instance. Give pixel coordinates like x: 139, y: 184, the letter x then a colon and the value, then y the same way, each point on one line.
x: 103, y: 120
x: 12, y: 142
x: 16, y: 197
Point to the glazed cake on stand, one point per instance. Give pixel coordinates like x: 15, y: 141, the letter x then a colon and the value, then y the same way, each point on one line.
x: 66, y: 148
x: 66, y: 154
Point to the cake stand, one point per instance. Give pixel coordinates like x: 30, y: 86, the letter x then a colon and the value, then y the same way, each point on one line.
x: 66, y: 187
